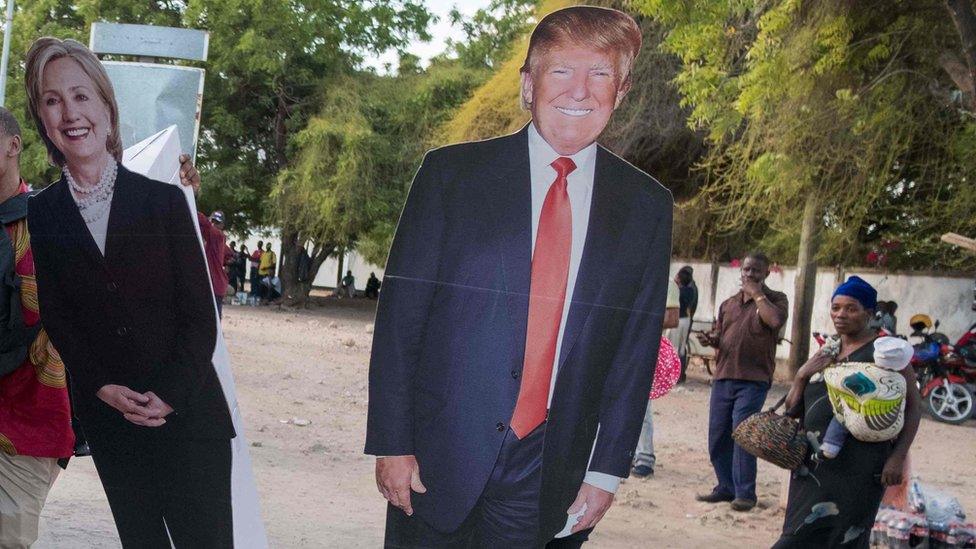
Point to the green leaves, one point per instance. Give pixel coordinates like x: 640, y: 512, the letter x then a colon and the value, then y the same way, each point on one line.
x: 831, y: 98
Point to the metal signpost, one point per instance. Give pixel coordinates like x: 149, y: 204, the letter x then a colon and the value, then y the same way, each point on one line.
x: 8, y: 28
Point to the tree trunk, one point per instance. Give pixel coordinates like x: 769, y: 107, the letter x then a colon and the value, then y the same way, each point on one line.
x: 281, y: 132
x: 341, y: 256
x: 296, y: 291
x: 291, y: 248
x: 806, y: 282
x: 319, y: 254
x: 964, y: 18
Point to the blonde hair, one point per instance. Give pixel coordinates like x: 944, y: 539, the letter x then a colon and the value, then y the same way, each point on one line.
x: 47, y: 49
x: 608, y: 30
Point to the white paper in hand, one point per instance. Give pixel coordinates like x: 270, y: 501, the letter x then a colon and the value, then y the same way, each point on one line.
x: 571, y: 521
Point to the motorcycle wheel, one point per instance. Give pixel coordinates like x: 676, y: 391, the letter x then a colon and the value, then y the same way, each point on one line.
x: 951, y: 403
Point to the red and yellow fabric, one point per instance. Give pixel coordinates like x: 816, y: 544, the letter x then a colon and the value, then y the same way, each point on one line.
x: 35, y: 414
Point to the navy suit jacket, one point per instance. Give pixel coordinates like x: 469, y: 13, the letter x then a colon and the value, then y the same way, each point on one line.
x: 451, y: 325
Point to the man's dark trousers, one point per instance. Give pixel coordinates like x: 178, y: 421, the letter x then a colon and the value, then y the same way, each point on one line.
x: 506, y: 515
x: 732, y: 401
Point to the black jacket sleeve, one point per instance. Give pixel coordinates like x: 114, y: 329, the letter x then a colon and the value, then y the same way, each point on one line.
x: 179, y: 380
x: 54, y: 305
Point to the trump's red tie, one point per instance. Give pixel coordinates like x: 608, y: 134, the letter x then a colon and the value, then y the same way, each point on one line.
x: 547, y: 294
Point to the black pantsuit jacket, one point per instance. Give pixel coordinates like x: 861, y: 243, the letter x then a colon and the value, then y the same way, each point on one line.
x: 142, y: 316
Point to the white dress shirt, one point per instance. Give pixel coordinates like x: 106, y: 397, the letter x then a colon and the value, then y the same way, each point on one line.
x: 580, y: 190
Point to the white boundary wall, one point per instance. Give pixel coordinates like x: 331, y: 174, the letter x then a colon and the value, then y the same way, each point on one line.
x: 327, y: 273
x: 944, y: 298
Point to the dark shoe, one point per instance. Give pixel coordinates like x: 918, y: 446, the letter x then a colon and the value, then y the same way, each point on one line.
x: 643, y: 471
x: 714, y: 497
x: 742, y: 505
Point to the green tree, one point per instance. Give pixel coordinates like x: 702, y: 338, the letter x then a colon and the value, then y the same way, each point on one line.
x: 269, y: 61
x: 828, y: 123
x: 490, y: 32
x: 355, y: 160
x: 269, y: 64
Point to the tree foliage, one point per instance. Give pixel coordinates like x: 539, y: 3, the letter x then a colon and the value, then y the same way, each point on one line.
x: 840, y: 102
x: 353, y: 162
x: 268, y: 63
x: 490, y: 32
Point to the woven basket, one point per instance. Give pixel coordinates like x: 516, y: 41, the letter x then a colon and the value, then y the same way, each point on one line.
x: 773, y: 437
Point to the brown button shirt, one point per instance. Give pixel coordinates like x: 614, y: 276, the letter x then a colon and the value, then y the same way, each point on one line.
x: 747, y: 346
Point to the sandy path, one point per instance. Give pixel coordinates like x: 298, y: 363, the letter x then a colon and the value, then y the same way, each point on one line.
x: 317, y: 488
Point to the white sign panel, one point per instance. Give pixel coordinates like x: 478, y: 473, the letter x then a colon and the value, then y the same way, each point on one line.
x: 154, y: 97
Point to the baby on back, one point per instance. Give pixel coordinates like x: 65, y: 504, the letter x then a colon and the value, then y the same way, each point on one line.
x: 868, y: 399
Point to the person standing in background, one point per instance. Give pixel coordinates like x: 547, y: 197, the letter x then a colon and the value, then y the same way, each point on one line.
x: 644, y: 457
x: 372, y: 287
x: 348, y: 286
x: 215, y: 246
x: 746, y: 335
x: 688, y: 304
x: 239, y: 268
x: 35, y: 414
x: 889, y: 321
x: 255, y: 267
x: 229, y: 265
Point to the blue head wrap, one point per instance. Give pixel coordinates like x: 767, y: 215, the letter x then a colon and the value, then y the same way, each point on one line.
x: 860, y: 290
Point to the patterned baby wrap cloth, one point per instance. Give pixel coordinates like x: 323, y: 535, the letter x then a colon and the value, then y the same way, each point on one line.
x: 868, y: 400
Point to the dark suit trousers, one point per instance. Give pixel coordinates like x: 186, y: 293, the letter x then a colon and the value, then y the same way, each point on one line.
x: 155, y: 484
x: 505, y: 516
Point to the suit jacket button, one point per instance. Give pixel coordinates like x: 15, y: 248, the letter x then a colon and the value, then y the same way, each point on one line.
x: 515, y: 374
x: 500, y: 426
x: 122, y: 331
x: 111, y: 286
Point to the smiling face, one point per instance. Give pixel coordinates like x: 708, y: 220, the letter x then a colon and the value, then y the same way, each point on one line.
x: 75, y: 117
x: 572, y: 90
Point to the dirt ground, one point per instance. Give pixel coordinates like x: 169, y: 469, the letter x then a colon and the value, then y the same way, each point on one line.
x: 317, y: 487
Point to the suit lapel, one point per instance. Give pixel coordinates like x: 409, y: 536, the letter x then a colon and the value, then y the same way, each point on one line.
x: 120, y: 217
x: 512, y: 214
x: 608, y: 214
x: 74, y: 226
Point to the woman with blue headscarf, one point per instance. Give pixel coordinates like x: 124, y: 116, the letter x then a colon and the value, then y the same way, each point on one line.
x: 834, y: 502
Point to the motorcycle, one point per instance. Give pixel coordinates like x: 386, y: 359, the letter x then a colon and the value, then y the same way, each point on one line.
x: 946, y: 379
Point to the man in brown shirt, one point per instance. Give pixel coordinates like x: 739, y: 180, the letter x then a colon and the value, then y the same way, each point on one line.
x: 745, y: 335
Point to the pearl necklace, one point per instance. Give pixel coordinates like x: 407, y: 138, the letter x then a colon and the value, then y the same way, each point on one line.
x: 93, y: 202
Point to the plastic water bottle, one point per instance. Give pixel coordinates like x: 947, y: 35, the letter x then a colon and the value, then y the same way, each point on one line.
x: 880, y: 524
x: 937, y: 535
x: 952, y: 535
x: 967, y: 538
x: 916, y: 499
x: 919, y: 537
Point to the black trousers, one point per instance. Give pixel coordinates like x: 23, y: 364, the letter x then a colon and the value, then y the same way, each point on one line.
x: 255, y: 282
x: 155, y: 484
x: 506, y: 515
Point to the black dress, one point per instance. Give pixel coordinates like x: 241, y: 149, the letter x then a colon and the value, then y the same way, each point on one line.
x: 836, y: 503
